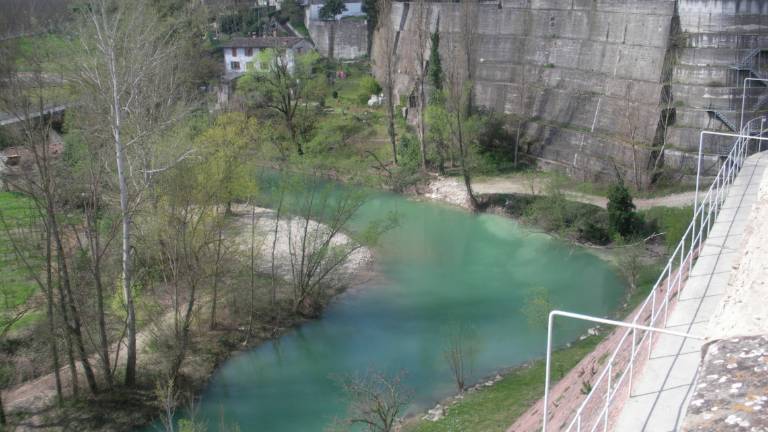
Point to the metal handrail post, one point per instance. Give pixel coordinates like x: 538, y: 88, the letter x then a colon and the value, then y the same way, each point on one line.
x: 653, y: 319
x: 667, y: 294
x: 632, y: 361
x: 589, y: 318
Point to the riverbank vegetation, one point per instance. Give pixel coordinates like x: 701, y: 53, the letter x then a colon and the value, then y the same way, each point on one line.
x: 495, y: 408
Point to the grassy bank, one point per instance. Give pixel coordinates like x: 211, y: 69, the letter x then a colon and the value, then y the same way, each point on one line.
x: 496, y: 408
x: 17, y: 215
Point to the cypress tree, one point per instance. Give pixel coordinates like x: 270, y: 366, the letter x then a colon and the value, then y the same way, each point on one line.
x: 435, y: 66
x: 621, y: 210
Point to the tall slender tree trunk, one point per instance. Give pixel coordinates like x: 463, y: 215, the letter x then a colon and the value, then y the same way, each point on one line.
x: 94, y: 247
x: 278, y: 214
x: 76, y: 325
x: 103, y: 339
x: 463, y: 161
x: 332, y: 39
x: 3, y: 420
x: 391, y: 122
x: 217, y: 270
x: 422, y: 123
x: 130, y: 364
x: 183, y: 334
x: 253, y: 274
x: 49, y: 314
x: 68, y: 338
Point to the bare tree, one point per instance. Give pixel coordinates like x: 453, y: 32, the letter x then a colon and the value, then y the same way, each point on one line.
x: 468, y: 35
x: 168, y: 396
x: 8, y: 318
x: 377, y: 400
x: 387, y: 51
x: 460, y: 123
x: 26, y: 99
x: 632, y: 131
x: 631, y: 264
x: 460, y: 351
x: 15, y: 100
x: 286, y: 88
x: 317, y: 244
x: 423, y: 35
x: 131, y: 90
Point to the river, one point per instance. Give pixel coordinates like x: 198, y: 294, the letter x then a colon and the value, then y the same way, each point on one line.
x: 440, y: 268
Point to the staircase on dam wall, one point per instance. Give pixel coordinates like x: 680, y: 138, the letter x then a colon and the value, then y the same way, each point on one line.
x: 719, y: 44
x: 592, y: 81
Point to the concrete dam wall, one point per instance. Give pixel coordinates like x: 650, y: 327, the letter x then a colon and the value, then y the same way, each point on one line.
x: 346, y: 38
x: 601, y: 86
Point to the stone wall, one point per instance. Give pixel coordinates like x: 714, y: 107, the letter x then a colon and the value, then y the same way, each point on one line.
x: 593, y: 80
x: 348, y: 37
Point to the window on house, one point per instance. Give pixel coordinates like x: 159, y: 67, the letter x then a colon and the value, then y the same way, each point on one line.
x: 249, y: 52
x: 234, y: 65
x: 234, y: 51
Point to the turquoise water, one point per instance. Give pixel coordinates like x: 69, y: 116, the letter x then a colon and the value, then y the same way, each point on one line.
x: 440, y: 267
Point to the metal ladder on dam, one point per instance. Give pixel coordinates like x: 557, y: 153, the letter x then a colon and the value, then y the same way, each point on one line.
x: 749, y: 64
x: 723, y: 118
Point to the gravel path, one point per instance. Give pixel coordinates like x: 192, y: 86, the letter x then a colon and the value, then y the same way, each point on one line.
x: 451, y: 190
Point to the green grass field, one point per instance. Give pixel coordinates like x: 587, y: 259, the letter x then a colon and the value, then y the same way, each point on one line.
x: 496, y: 408
x: 17, y: 215
x: 50, y: 48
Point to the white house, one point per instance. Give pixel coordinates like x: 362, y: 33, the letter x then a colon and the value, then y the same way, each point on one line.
x: 242, y: 54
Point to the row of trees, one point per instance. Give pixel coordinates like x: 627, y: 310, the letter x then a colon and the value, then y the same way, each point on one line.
x: 446, y: 118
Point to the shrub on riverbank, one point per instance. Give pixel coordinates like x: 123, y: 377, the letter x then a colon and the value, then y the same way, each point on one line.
x: 584, y: 223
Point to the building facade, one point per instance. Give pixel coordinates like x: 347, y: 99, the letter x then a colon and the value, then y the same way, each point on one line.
x: 244, y: 54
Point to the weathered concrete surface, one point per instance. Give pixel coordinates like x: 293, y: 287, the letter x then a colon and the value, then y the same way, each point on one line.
x: 732, y: 391
x: 743, y: 311
x: 711, y: 37
x: 347, y: 37
x: 592, y: 81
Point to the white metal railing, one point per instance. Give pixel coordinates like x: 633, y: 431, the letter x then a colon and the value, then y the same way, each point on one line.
x: 594, y: 411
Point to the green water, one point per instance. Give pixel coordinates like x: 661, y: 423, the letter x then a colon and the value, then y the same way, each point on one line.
x: 441, y: 266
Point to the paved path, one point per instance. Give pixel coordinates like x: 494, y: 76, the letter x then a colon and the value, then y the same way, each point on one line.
x: 662, y: 389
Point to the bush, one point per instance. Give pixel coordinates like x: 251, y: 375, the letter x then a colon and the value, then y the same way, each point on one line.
x: 621, y: 211
x: 671, y: 221
x: 332, y: 135
x: 583, y: 222
x: 370, y: 85
x: 5, y: 139
x: 495, y: 142
x: 408, y: 151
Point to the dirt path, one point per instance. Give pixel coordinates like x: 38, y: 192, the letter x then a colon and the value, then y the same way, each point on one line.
x: 451, y: 190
